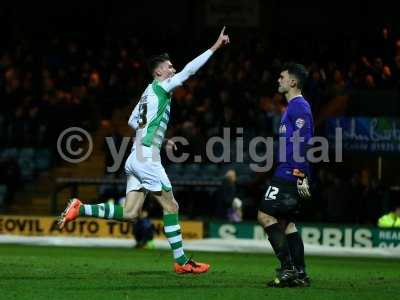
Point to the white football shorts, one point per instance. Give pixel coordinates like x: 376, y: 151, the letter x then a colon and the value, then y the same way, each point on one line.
x: 146, y: 172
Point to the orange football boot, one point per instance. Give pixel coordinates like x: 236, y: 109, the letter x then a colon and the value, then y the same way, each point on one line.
x: 191, y: 267
x: 70, y: 213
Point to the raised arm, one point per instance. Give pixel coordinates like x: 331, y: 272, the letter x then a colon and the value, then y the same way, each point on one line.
x: 193, y: 66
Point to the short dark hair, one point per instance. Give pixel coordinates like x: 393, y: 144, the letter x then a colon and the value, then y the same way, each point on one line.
x: 155, y: 61
x: 297, y: 70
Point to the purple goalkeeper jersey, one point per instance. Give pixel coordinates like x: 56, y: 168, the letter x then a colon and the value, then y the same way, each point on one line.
x: 297, y: 119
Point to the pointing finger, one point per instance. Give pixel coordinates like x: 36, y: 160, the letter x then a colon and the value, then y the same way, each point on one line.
x: 222, y: 31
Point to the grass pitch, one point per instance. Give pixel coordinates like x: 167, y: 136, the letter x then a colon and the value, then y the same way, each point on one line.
x: 29, y: 272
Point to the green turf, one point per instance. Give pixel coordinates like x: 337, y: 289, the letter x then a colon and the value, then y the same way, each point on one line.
x: 28, y: 272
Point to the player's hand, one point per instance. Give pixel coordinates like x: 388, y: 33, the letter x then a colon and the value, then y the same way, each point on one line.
x: 303, y: 188
x: 222, y: 40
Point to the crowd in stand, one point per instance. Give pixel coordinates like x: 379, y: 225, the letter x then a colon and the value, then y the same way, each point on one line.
x: 67, y: 81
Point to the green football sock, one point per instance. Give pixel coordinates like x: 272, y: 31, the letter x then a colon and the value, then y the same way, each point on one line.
x: 103, y: 210
x: 173, y: 233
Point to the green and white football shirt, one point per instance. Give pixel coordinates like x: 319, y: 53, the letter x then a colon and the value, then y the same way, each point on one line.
x: 151, y: 115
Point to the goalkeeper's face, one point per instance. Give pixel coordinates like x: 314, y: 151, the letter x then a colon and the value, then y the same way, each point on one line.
x: 165, y: 70
x: 283, y: 82
x: 286, y: 82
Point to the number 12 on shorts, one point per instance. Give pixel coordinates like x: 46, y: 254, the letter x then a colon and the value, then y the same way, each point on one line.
x: 271, y: 193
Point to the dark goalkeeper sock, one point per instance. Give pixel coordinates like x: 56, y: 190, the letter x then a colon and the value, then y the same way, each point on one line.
x: 296, y: 247
x: 279, y: 244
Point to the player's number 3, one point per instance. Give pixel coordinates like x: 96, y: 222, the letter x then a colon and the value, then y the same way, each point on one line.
x: 142, y: 115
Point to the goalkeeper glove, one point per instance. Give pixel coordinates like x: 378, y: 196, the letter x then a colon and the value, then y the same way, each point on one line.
x: 303, y: 186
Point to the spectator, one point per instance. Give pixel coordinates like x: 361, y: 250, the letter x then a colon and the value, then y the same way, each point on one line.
x: 390, y: 220
x: 226, y: 195
x: 143, y: 231
x: 235, y: 213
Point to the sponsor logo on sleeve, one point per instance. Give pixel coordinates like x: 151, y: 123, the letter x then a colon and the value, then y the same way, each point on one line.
x: 282, y: 129
x: 300, y: 123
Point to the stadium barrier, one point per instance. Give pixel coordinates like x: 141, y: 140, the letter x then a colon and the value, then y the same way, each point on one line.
x: 209, y: 245
x: 226, y: 237
x: 315, y: 234
x: 86, y: 228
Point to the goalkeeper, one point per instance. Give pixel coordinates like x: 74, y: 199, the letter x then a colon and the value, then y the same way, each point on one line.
x: 279, y: 208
